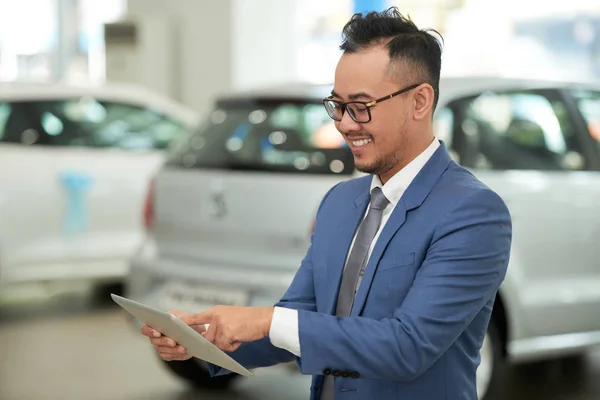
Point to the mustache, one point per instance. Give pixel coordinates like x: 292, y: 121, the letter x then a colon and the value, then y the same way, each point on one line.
x: 352, y: 136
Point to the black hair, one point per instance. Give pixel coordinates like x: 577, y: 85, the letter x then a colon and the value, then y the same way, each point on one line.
x: 407, y: 44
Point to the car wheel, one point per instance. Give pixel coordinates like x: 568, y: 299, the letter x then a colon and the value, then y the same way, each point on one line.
x: 491, y: 360
x: 195, y: 373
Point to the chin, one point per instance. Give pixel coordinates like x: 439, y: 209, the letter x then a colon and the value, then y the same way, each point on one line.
x: 365, y: 167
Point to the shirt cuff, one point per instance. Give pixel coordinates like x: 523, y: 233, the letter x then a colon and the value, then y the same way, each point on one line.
x: 284, y: 330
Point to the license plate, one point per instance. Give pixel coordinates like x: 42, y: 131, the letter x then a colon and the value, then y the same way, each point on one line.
x: 197, y: 298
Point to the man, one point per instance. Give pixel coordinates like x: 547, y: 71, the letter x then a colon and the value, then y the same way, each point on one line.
x: 394, y: 296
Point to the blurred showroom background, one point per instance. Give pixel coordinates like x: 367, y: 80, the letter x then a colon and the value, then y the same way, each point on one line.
x: 130, y: 162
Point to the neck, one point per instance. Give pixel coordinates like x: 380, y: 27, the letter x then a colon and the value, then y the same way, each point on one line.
x: 411, y: 153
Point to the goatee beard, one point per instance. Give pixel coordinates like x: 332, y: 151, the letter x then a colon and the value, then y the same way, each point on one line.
x: 377, y: 167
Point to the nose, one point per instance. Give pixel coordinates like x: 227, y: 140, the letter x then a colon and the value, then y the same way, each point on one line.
x: 347, y: 124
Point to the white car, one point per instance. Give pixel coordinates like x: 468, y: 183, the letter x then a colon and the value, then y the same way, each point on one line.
x: 234, y: 205
x: 75, y: 163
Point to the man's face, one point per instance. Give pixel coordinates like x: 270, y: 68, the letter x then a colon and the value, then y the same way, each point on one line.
x: 378, y: 144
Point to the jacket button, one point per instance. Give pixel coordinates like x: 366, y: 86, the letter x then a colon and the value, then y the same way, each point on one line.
x: 354, y: 375
x: 327, y: 371
x: 345, y: 374
x: 337, y: 373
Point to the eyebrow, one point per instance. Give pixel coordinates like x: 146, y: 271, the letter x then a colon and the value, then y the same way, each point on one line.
x: 354, y: 96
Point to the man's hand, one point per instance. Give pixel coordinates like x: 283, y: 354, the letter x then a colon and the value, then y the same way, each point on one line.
x: 166, y: 347
x: 232, y: 326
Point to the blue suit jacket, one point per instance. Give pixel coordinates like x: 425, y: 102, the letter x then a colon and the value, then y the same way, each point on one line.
x: 424, y: 304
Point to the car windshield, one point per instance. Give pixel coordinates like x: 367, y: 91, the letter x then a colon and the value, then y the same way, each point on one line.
x: 87, y: 122
x: 278, y: 136
x: 588, y: 102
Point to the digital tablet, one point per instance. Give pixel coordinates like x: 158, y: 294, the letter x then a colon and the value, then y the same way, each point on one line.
x: 171, y: 326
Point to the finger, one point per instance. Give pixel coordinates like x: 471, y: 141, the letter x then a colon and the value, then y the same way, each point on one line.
x: 227, y: 346
x: 150, y: 332
x: 163, y: 341
x: 161, y: 350
x: 233, y: 347
x: 200, y: 328
x: 170, y: 350
x: 211, y: 333
x: 200, y: 318
x: 223, y: 340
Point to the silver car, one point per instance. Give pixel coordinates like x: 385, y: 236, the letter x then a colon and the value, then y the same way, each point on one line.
x: 231, y: 212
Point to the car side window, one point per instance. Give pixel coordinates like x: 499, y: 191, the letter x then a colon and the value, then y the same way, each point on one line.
x: 519, y: 130
x: 443, y: 129
x: 87, y: 122
x: 23, y: 125
x: 5, y: 110
x: 121, y: 125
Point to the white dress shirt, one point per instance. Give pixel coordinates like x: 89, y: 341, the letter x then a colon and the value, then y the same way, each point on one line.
x: 284, y: 326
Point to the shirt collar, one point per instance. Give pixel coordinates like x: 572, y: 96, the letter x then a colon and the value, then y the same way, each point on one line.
x: 395, y: 187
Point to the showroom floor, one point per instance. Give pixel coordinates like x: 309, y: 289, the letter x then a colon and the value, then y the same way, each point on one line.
x: 68, y: 347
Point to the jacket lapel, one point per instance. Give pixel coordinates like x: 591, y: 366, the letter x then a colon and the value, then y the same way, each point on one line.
x: 412, y: 198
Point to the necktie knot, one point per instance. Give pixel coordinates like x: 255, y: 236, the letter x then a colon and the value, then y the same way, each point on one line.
x: 378, y: 199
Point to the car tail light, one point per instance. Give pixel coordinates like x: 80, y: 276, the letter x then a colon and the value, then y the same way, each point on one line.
x: 312, y: 229
x: 149, y: 206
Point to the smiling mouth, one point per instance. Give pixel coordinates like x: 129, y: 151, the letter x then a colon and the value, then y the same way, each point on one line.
x: 361, y: 142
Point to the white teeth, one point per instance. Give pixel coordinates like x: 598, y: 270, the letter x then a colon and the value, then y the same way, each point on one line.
x: 359, y: 143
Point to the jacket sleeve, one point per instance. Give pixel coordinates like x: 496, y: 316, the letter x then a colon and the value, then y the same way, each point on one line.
x: 463, y: 269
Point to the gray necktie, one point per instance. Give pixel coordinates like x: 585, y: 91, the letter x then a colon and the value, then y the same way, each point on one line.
x: 355, y: 267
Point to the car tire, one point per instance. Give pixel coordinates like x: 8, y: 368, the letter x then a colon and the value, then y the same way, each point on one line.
x: 195, y: 373
x: 491, y: 362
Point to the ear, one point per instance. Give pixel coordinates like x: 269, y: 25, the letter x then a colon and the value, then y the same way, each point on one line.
x: 423, y: 101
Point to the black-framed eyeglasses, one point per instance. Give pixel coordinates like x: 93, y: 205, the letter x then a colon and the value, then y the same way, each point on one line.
x: 359, y: 111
